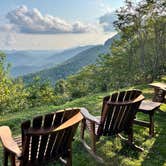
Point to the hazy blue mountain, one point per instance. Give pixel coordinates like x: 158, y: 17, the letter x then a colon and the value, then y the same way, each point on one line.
x: 66, y: 54
x: 69, y: 67
x: 26, y: 57
x: 22, y: 70
x: 29, y: 61
x: 72, y: 65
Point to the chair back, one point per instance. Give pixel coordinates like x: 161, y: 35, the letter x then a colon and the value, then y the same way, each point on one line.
x: 49, y: 137
x: 118, y: 112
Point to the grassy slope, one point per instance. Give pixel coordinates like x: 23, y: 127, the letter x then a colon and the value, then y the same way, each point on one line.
x: 113, y: 151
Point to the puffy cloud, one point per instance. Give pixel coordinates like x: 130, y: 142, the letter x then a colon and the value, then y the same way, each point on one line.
x: 107, y: 21
x: 6, y: 27
x: 79, y: 27
x: 32, y: 21
x: 8, y: 40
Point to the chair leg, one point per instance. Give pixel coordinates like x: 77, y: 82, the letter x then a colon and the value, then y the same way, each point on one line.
x: 13, y: 161
x: 93, y: 137
x: 91, y: 149
x: 69, y: 158
x: 83, y: 126
x: 151, y: 128
x: 6, y: 155
x: 131, y: 143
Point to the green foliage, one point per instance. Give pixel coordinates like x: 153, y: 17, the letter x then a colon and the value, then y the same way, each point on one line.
x: 40, y: 93
x: 82, y: 83
x: 60, y: 91
x: 60, y: 87
x: 143, y: 32
x: 15, y: 96
x: 12, y: 93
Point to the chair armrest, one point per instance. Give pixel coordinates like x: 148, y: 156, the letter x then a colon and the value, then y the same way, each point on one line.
x: 72, y: 121
x: 8, y: 141
x: 89, y: 116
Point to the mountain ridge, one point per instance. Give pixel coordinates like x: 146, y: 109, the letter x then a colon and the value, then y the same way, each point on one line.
x: 28, y: 61
x: 72, y: 65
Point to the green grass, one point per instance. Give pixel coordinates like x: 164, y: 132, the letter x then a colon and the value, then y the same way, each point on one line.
x: 112, y: 150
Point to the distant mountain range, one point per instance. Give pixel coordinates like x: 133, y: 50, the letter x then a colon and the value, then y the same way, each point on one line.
x: 29, y: 61
x: 74, y: 64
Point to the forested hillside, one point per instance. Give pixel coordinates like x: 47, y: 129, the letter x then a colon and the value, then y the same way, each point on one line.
x: 62, y: 56
x: 74, y: 64
x: 31, y: 61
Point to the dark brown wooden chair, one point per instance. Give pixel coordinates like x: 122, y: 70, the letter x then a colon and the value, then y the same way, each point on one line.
x: 118, y: 113
x: 44, y: 139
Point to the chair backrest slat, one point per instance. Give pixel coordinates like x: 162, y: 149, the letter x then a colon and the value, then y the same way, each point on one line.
x: 25, y: 141
x: 122, y: 113
x: 115, y: 124
x: 121, y: 96
x: 107, y: 120
x: 35, y: 143
x: 48, y: 122
x: 53, y: 137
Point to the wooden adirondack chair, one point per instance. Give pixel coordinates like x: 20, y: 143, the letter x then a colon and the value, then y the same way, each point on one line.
x: 45, y: 138
x: 118, y: 113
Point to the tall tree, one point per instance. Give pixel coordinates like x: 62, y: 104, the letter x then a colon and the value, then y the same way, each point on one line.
x: 143, y: 27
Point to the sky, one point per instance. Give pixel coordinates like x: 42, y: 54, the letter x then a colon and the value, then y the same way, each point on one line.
x: 55, y: 24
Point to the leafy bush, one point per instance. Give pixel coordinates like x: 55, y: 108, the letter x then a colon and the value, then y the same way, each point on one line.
x: 40, y: 93
x: 13, y: 96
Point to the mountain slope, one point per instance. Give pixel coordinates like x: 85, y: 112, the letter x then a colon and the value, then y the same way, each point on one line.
x: 27, y: 61
x: 65, y: 55
x: 73, y: 65
x: 22, y: 70
x: 30, y: 61
x: 28, y: 57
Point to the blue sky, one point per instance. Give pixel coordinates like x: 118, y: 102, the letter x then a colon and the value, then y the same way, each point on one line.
x: 55, y: 24
x: 68, y: 9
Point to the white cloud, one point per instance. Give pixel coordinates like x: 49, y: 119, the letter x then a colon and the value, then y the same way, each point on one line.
x: 8, y: 40
x: 32, y: 21
x: 107, y: 21
x: 51, y: 41
x: 6, y: 27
